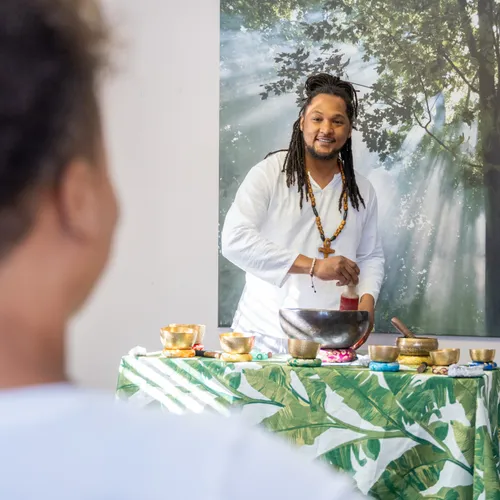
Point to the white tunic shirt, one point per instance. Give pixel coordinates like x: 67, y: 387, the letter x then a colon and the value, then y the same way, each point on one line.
x: 265, y: 231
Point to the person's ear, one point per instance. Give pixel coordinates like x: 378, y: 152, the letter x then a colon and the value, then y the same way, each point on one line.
x: 78, y: 200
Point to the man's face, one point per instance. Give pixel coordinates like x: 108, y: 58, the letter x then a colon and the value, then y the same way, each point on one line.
x: 325, y: 126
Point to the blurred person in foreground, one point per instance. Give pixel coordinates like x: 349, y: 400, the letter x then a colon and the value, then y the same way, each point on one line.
x: 57, y: 218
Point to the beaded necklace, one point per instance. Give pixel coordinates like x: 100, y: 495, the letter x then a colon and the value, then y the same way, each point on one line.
x: 326, y: 249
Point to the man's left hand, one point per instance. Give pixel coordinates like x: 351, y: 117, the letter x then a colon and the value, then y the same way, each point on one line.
x: 367, y: 303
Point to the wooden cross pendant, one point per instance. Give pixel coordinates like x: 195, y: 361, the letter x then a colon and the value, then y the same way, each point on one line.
x: 325, y: 249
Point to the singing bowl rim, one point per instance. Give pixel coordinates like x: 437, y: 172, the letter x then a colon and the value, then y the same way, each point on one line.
x: 234, y: 335
x: 178, y: 328
x: 198, y: 327
x: 360, y: 339
x: 416, y: 339
x: 312, y: 309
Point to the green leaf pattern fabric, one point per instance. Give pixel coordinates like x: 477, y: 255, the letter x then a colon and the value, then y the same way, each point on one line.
x: 399, y: 435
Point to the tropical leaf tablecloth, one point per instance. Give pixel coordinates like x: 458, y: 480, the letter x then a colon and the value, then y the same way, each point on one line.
x: 400, y: 435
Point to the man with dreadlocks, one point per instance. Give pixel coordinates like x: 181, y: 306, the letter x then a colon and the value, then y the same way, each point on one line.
x: 304, y: 223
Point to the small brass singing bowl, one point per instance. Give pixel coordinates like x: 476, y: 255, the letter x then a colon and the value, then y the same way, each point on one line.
x: 445, y: 357
x: 418, y: 346
x: 482, y: 355
x: 303, y: 349
x: 177, y: 337
x: 200, y: 329
x: 236, y: 343
x: 383, y: 353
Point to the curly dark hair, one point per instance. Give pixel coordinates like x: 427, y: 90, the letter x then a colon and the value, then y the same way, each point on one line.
x: 51, y: 53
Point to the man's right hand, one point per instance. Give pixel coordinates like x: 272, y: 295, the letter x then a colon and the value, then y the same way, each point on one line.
x: 339, y: 268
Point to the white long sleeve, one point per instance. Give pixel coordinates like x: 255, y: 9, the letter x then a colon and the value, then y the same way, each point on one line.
x: 370, y: 255
x: 241, y: 240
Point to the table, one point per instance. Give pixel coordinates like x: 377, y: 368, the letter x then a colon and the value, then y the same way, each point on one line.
x: 400, y: 435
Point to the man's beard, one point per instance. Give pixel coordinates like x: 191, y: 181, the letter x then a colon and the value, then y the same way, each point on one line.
x: 322, y: 156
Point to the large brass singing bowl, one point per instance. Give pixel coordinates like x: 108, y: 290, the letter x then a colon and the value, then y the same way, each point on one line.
x: 332, y: 329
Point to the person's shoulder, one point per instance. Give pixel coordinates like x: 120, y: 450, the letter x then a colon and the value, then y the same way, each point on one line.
x: 277, y: 156
x: 273, y: 163
x: 266, y: 172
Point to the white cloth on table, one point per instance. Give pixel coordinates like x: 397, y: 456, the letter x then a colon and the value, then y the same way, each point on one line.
x: 265, y: 231
x: 59, y: 442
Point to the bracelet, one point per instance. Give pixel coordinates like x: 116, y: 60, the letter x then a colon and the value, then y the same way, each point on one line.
x: 311, y: 274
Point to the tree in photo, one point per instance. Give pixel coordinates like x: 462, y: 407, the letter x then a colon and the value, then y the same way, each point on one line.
x: 427, y: 54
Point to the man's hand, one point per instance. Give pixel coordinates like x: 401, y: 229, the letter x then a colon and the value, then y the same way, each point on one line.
x: 367, y: 303
x: 339, y: 268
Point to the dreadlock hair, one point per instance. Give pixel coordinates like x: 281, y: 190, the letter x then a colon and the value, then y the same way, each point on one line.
x: 294, y: 165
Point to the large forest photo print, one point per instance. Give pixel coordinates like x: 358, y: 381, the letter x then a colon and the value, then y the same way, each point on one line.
x: 428, y: 137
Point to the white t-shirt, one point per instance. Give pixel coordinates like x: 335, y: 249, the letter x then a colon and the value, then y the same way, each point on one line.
x: 265, y: 231
x: 62, y: 443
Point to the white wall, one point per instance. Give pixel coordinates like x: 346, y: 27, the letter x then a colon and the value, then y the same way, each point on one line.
x: 162, y: 112
x: 162, y: 127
